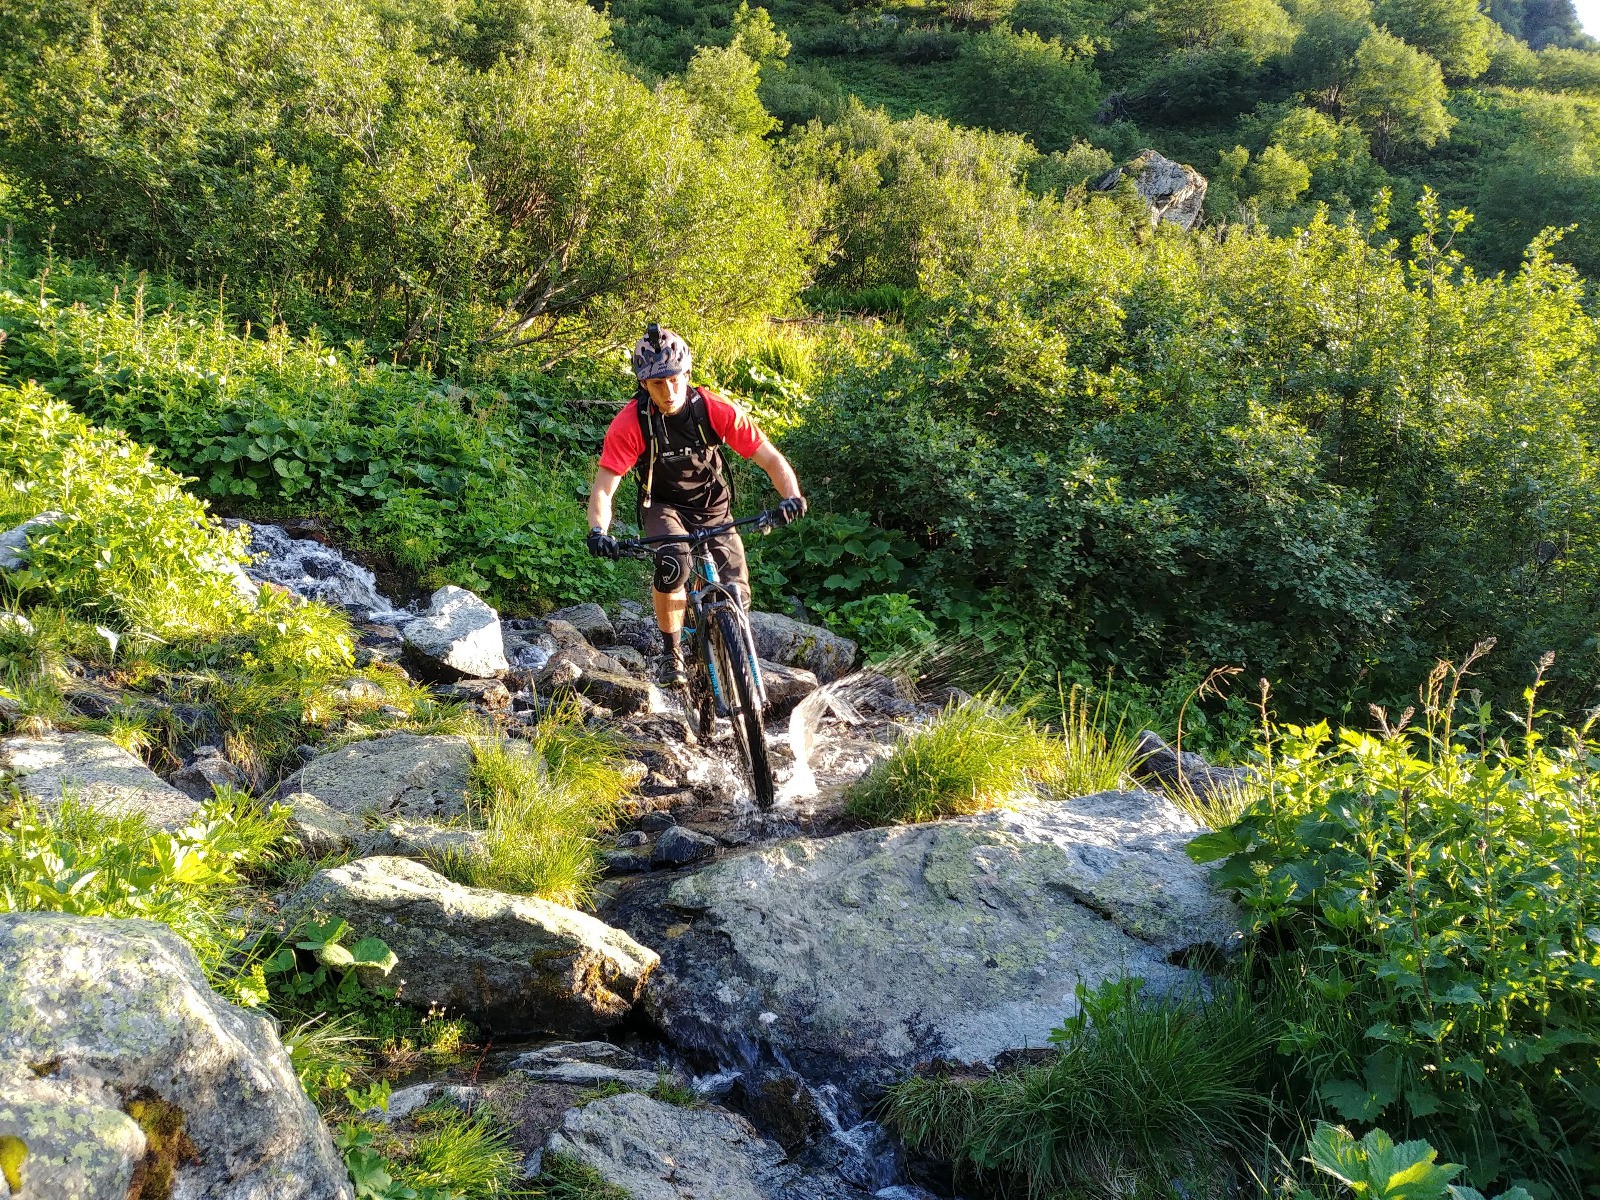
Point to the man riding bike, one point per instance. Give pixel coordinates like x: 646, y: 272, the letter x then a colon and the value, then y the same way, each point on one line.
x: 673, y: 434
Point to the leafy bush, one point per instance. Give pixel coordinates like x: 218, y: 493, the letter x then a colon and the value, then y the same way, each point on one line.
x: 1427, y: 902
x: 76, y: 859
x: 1377, y: 1168
x: 882, y: 624
x: 1138, y: 1091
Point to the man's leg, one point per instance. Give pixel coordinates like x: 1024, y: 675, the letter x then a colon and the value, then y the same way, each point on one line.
x: 728, y: 553
x: 672, y: 573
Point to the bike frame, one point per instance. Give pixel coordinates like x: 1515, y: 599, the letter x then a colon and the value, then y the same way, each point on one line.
x: 710, y: 597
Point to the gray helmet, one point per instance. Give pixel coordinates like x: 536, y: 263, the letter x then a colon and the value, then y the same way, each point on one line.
x: 661, y: 354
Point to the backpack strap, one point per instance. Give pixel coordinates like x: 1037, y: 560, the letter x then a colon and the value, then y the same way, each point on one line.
x: 709, y: 437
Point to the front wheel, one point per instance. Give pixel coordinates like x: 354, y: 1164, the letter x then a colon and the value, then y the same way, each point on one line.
x: 742, y: 694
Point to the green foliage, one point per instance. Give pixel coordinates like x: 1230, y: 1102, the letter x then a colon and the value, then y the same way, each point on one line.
x: 1020, y: 82
x: 76, y: 859
x: 1138, y: 1091
x: 1375, y: 1167
x: 1397, y: 94
x: 564, y: 1178
x: 1431, y: 898
x: 979, y: 754
x: 883, y: 623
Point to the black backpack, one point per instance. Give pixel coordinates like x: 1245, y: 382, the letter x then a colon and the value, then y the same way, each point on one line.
x: 709, y: 438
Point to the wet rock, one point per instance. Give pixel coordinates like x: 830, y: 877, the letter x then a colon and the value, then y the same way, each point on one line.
x: 634, y: 625
x: 486, y: 693
x: 952, y: 940
x: 658, y: 821
x: 631, y: 839
x: 677, y: 847
x: 459, y: 635
x: 14, y: 542
x: 621, y: 693
x: 107, y: 1029
x: 657, y: 1151
x: 512, y: 962
x: 93, y: 701
x: 408, y: 775
x: 626, y: 862
x: 588, y: 1065
x: 791, y: 643
x: 314, y: 571
x: 97, y: 771
x: 1172, y: 191
x: 629, y: 658
x: 786, y: 687
x: 1160, y: 763
x: 589, y: 620
x: 208, y: 770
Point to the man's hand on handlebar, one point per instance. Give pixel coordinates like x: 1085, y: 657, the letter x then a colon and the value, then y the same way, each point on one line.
x: 603, y: 545
x: 788, y: 511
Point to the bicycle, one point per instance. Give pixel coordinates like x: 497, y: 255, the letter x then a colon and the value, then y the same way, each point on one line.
x: 724, y: 674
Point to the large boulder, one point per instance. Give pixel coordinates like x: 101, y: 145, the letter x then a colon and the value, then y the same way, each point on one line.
x: 97, y: 771
x: 852, y: 958
x: 410, y: 776
x: 512, y: 962
x: 657, y: 1151
x: 792, y: 643
x: 123, y: 1074
x: 458, y: 636
x: 1172, y: 191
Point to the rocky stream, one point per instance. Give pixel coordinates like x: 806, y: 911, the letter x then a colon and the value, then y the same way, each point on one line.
x: 782, y: 967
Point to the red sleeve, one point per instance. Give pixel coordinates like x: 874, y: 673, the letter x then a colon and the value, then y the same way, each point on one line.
x: 624, y: 443
x: 733, y: 425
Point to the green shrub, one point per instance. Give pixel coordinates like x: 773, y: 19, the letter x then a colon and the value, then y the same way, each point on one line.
x: 1376, y: 1169
x: 1139, y: 1091
x: 881, y: 624
x: 1426, y: 900
x: 76, y: 859
x: 976, y: 755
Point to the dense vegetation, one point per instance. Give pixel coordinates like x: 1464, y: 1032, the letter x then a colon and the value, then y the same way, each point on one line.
x: 373, y: 263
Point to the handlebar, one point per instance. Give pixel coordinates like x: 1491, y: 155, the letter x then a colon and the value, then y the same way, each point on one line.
x: 642, y: 547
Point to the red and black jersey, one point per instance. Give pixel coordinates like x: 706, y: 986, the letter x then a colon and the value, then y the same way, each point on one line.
x: 686, y: 471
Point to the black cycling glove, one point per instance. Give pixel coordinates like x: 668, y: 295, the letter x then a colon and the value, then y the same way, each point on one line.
x: 789, y: 511
x: 603, y: 545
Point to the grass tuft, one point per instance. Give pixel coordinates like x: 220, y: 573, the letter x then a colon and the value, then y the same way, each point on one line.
x: 1138, y: 1092
x: 979, y: 754
x: 566, y: 1178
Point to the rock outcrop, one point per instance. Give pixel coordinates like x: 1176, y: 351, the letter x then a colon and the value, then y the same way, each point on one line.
x: 589, y: 620
x: 791, y: 643
x: 1173, y: 192
x: 1160, y: 763
x: 853, y: 958
x: 98, y: 772
x: 413, y: 777
x: 512, y: 962
x: 122, y: 1073
x: 459, y: 635
x: 658, y: 1151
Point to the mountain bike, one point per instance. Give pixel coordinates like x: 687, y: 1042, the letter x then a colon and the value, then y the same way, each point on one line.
x: 724, y: 672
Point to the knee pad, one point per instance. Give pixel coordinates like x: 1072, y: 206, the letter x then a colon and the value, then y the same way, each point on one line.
x: 672, y: 571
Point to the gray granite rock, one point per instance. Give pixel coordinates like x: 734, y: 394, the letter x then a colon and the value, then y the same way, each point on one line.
x: 786, y: 687
x: 459, y: 635
x: 208, y: 770
x: 14, y: 542
x: 1173, y: 192
x: 1160, y: 763
x: 107, y: 1022
x: 678, y: 846
x: 589, y: 620
x: 98, y: 772
x: 791, y: 643
x: 956, y: 939
x: 405, y: 775
x: 513, y: 962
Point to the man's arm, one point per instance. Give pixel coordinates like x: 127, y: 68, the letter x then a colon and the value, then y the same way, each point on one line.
x: 771, y: 460
x: 605, y: 487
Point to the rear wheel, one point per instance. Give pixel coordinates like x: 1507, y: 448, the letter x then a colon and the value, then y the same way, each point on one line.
x: 731, y: 650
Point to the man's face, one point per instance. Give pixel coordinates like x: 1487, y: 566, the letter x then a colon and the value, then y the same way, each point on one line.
x: 670, y: 394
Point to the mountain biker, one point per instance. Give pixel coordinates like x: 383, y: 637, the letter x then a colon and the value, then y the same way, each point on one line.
x: 672, y: 433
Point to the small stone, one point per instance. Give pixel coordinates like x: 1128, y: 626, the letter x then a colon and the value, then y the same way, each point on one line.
x: 589, y: 620
x: 785, y: 687
x: 489, y: 693
x: 656, y: 821
x: 206, y: 772
x: 630, y: 658
x: 678, y: 847
x: 410, y: 1100
x: 634, y: 837
x: 355, y: 689
x: 626, y: 862
x: 620, y: 693
x: 636, y: 627
x: 15, y: 623
x: 14, y: 542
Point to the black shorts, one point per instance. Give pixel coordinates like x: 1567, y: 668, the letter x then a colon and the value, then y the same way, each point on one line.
x: 673, y: 562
